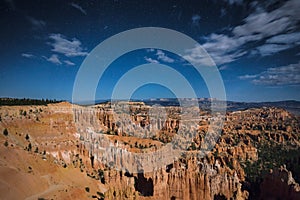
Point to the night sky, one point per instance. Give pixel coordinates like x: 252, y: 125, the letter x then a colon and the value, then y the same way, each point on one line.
x: 255, y: 45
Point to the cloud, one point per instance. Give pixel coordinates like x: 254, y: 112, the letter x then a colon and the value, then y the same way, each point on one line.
x: 69, y: 63
x: 27, y: 55
x: 150, y: 50
x: 282, y: 19
x: 221, y: 48
x: 268, y: 27
x: 224, y: 67
x: 36, y: 23
x: 197, y: 55
x: 290, y: 38
x: 223, y: 12
x: 270, y: 49
x: 247, y: 76
x: 150, y: 60
x: 196, y: 19
x: 231, y: 2
x: 263, y: 24
x: 277, y: 76
x: 224, y: 49
x: 54, y: 59
x: 163, y: 57
x: 78, y: 7
x: 278, y: 43
x: 69, y: 48
x: 159, y: 55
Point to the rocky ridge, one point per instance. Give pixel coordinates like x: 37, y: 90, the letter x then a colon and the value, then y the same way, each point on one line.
x: 224, y: 173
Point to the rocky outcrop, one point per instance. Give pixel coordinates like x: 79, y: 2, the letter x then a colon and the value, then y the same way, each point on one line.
x: 183, y: 179
x: 193, y: 179
x: 279, y: 184
x: 219, y: 175
x: 107, y: 147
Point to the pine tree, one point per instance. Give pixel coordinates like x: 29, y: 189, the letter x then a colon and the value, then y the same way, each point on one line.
x: 5, y: 132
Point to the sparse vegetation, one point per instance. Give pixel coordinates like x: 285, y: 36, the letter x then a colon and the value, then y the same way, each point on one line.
x: 13, y: 102
x: 6, y: 143
x: 193, y: 146
x: 87, y: 189
x: 271, y: 156
x: 5, y: 132
x: 27, y: 137
x: 29, y: 147
x: 101, y: 195
x: 101, y: 175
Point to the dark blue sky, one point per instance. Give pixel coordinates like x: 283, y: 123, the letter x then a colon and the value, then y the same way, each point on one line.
x: 255, y: 45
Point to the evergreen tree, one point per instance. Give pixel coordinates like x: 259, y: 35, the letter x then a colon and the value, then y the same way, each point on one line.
x: 5, y: 132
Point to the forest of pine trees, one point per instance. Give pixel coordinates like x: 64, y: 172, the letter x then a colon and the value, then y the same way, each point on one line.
x: 24, y: 101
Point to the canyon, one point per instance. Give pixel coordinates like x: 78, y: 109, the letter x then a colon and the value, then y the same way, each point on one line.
x: 140, y: 151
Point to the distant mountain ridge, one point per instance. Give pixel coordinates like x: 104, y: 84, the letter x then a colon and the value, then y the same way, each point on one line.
x: 289, y: 105
x: 292, y: 106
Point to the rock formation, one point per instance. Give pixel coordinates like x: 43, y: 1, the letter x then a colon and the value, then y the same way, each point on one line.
x: 111, y: 149
x: 279, y: 184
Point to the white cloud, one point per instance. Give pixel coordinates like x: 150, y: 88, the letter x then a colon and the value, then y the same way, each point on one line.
x: 270, y: 49
x: 36, y: 23
x: 78, y: 7
x: 247, y: 76
x: 150, y: 60
x: 222, y: 49
x: 231, y: 2
x: 69, y: 63
x: 163, y: 57
x: 258, y: 26
x: 54, y: 59
x: 224, y: 67
x: 196, y: 19
x: 275, y: 76
x: 69, y: 48
x: 223, y: 12
x: 197, y: 55
x: 263, y: 24
x: 290, y: 38
x: 150, y: 50
x: 27, y: 55
x: 278, y: 43
x: 271, y: 23
x: 158, y: 56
